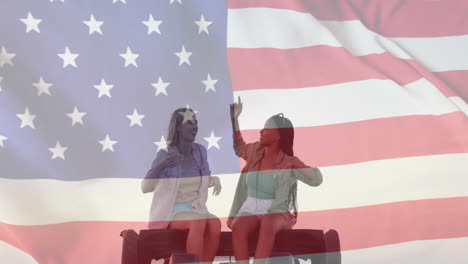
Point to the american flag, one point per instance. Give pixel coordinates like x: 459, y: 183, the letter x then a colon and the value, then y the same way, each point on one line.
x: 376, y: 91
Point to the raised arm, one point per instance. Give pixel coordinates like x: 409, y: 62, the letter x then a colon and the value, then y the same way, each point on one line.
x: 241, y: 148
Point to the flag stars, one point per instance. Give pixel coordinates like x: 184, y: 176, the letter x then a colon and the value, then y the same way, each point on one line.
x: 203, y: 25
x: 187, y: 114
x: 5, y: 57
x: 94, y: 25
x: 104, y: 89
x: 212, y: 140
x: 160, y: 87
x: 76, y: 116
x: 107, y: 144
x: 153, y: 25
x: 209, y: 84
x: 31, y: 23
x: 58, y: 151
x: 42, y: 87
x: 2, y: 138
x: 68, y: 58
x: 130, y: 57
x: 27, y: 119
x: 135, y: 118
x: 188, y: 107
x: 161, y: 144
x: 183, y: 56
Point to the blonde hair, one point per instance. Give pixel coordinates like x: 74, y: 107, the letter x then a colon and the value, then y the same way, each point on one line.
x: 176, y: 120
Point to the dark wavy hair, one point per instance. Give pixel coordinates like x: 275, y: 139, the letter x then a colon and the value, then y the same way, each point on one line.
x: 286, y: 131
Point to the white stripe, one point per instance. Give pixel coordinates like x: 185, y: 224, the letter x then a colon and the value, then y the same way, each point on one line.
x: 35, y: 202
x: 344, y: 102
x: 10, y: 254
x: 460, y: 103
x: 287, y: 29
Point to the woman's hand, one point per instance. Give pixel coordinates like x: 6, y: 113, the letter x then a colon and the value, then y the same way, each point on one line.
x: 236, y: 108
x: 216, y: 183
x: 171, y: 160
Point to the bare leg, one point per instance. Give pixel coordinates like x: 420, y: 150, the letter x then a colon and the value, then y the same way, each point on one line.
x: 211, y: 240
x: 270, y: 225
x: 196, y: 225
x: 242, y: 226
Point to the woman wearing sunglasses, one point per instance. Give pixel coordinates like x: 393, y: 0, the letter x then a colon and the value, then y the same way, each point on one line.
x: 265, y: 198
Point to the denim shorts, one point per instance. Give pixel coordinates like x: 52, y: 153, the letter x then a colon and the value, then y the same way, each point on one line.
x: 181, y: 207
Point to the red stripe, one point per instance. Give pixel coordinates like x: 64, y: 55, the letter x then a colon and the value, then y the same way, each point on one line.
x: 75, y: 242
x: 378, y: 139
x: 269, y: 68
x: 393, y: 18
x: 386, y: 224
x: 457, y: 81
x: 361, y: 227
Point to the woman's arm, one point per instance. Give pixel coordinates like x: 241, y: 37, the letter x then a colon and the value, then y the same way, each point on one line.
x: 309, y: 175
x: 162, y: 161
x: 152, y: 177
x: 241, y: 148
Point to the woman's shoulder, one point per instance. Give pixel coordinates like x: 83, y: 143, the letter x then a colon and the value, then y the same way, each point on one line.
x: 200, y: 149
x: 292, y: 161
x: 199, y: 146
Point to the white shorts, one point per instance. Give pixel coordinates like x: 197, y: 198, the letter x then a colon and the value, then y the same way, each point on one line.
x: 255, y: 206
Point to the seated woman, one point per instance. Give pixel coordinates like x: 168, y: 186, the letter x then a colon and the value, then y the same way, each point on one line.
x: 179, y: 179
x: 265, y: 198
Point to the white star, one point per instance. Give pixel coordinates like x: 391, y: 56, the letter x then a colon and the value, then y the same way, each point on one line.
x: 135, y: 118
x: 68, y: 58
x: 104, y: 88
x: 76, y: 116
x: 42, y: 87
x: 188, y: 115
x: 107, y: 143
x: 160, y: 86
x: 212, y: 140
x: 130, y: 58
x: 203, y: 25
x: 153, y: 25
x: 209, y: 84
x: 123, y: 1
x: 5, y: 57
x: 94, y: 25
x: 63, y: 1
x: 178, y: 1
x: 188, y: 107
x: 183, y: 56
x: 1, y: 79
x: 31, y: 23
x: 58, y: 151
x: 2, y: 138
x: 162, y: 144
x: 27, y: 119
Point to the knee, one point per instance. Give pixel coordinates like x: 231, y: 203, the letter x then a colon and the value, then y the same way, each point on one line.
x: 271, y: 224
x: 198, y: 225
x: 214, y: 224
x: 239, y: 228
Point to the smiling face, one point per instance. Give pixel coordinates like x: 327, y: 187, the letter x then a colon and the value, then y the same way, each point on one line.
x: 269, y: 134
x: 188, y: 129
